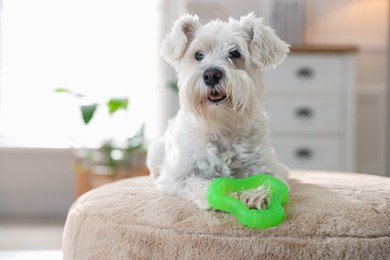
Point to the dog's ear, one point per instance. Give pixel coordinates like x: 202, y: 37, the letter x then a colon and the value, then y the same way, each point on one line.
x: 266, y: 49
x: 177, y: 41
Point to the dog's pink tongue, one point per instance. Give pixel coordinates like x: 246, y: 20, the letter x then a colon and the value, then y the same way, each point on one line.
x: 216, y: 96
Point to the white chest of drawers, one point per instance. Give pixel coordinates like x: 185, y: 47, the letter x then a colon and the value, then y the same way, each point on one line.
x: 311, y: 103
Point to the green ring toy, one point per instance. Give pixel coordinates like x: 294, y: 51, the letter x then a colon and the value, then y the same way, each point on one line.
x: 218, y: 198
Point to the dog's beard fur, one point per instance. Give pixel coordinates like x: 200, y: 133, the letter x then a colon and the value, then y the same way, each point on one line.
x: 243, y: 99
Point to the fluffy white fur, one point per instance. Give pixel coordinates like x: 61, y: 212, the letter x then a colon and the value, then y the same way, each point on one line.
x: 208, y: 139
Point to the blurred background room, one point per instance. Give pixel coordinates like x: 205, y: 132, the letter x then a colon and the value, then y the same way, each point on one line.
x: 83, y: 90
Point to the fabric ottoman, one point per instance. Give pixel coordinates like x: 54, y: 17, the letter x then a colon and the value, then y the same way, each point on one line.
x: 329, y: 215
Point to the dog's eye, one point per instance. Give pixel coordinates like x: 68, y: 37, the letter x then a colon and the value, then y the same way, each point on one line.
x: 199, y: 56
x: 234, y: 54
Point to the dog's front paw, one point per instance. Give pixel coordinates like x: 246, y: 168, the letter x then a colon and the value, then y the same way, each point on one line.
x: 257, y: 198
x: 202, y: 204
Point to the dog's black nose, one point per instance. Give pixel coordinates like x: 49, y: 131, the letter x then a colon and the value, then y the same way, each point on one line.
x: 211, y: 77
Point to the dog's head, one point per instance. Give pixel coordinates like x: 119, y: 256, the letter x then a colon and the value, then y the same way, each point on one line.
x: 219, y: 65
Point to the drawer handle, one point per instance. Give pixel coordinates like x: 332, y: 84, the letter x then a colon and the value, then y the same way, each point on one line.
x: 304, y: 153
x: 304, y: 112
x: 305, y: 73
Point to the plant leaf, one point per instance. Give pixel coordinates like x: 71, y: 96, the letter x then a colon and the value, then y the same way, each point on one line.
x: 62, y: 90
x: 68, y: 91
x: 88, y: 112
x: 173, y: 85
x: 116, y: 104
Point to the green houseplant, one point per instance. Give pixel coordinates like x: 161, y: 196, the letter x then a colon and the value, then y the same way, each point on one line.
x: 109, y: 161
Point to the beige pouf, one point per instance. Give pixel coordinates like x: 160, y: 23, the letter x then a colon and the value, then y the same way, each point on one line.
x: 328, y: 216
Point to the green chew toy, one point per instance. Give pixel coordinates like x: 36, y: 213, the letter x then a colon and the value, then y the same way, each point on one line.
x: 218, y: 198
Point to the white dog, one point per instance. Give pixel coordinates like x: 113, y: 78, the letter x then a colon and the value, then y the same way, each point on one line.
x: 220, y: 129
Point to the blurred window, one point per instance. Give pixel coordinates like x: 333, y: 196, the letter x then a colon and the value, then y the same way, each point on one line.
x: 99, y: 48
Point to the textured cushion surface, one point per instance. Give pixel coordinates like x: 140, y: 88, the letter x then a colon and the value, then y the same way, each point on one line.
x: 328, y: 216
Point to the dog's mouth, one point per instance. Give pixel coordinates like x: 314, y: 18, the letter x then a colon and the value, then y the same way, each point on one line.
x: 216, y: 97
